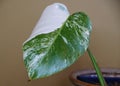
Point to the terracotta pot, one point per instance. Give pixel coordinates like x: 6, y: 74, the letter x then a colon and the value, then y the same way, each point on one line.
x: 89, y: 77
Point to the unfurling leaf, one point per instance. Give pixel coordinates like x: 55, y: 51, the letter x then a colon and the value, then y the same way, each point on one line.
x: 49, y: 53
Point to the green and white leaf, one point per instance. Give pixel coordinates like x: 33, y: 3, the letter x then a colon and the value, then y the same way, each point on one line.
x: 49, y: 53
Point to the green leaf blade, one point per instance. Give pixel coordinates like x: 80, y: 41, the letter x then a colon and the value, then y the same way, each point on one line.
x: 50, y: 53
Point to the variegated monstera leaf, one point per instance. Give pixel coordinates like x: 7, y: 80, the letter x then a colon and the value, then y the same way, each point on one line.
x: 48, y: 53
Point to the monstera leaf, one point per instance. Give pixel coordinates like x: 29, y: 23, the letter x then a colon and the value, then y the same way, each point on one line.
x: 49, y: 53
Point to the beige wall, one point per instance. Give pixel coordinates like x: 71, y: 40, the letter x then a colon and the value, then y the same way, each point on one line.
x: 17, y: 19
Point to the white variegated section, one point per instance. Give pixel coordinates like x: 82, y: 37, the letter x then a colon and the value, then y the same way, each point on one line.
x: 51, y: 19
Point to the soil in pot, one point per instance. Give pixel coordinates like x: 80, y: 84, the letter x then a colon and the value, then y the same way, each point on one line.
x: 89, y: 77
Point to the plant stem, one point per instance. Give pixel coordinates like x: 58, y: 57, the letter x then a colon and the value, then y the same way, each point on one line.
x: 97, y: 69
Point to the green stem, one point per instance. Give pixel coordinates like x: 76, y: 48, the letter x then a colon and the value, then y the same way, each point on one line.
x: 97, y: 69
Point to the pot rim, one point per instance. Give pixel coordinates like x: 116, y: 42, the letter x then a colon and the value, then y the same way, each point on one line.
x: 74, y: 74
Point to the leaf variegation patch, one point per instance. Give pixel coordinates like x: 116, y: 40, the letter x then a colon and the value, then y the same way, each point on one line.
x: 46, y: 54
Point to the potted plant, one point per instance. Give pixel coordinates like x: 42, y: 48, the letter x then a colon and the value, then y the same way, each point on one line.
x: 57, y: 41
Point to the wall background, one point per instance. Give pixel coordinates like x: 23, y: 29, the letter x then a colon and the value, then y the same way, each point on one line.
x: 18, y: 18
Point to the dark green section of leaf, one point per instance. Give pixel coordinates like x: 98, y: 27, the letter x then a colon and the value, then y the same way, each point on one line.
x: 49, y: 53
